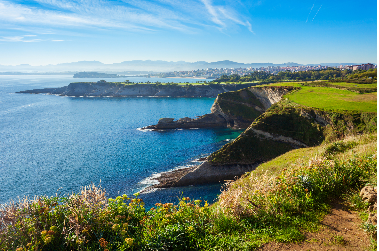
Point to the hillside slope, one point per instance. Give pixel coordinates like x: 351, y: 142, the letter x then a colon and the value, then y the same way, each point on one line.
x: 286, y: 125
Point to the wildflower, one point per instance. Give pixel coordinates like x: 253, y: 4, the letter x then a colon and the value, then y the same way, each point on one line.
x: 197, y: 201
x: 116, y: 227
x: 136, y: 194
x: 19, y: 249
x: 103, y: 242
x: 48, y: 239
x: 306, y: 190
x: 190, y: 228
x: 54, y: 228
x: 125, y: 197
x: 129, y: 241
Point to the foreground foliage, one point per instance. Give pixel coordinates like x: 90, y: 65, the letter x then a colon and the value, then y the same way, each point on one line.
x: 260, y: 207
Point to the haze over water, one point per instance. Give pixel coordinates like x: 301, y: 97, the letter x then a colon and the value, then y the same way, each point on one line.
x: 50, y: 142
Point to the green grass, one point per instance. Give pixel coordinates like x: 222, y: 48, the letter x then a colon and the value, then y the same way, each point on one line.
x: 354, y: 85
x: 334, y: 99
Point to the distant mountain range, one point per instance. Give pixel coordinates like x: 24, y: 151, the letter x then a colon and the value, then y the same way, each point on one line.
x: 144, y: 66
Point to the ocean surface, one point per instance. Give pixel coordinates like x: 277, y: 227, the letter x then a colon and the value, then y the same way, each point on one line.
x: 51, y: 144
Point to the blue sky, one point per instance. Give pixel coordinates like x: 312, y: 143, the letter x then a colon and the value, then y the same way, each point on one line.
x: 45, y: 32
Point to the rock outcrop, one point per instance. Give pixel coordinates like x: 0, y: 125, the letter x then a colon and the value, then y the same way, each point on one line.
x: 369, y: 195
x: 207, y: 174
x: 237, y: 109
x: 205, y: 121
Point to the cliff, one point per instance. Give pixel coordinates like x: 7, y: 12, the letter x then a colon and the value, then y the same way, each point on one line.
x: 234, y: 109
x: 116, y: 89
x: 284, y: 126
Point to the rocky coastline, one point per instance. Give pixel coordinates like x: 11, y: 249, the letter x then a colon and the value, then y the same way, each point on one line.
x: 118, y: 89
x: 224, y: 113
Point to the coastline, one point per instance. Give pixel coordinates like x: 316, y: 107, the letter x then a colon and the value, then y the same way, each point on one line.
x: 170, y: 178
x: 167, y: 179
x: 187, y: 77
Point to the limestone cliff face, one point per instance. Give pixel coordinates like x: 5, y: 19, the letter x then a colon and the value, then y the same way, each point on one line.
x: 270, y: 95
x: 235, y: 109
x: 242, y: 107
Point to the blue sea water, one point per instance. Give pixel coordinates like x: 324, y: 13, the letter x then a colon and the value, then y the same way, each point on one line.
x: 51, y: 144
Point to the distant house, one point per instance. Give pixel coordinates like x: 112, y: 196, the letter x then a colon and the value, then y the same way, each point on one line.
x: 361, y: 67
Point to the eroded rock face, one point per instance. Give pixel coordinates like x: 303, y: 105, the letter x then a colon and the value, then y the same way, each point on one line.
x: 369, y: 195
x: 208, y: 174
x: 233, y: 109
x: 269, y: 95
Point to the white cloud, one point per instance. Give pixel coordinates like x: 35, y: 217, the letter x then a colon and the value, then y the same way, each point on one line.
x: 213, y: 12
x: 32, y: 41
x: 134, y: 15
x: 224, y: 16
x: 19, y: 39
x: 12, y: 39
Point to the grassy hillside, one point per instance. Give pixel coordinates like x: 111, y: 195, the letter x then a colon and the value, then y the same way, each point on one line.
x: 309, y: 115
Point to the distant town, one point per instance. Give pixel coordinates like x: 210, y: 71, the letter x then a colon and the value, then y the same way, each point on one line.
x: 211, y: 73
x: 164, y: 69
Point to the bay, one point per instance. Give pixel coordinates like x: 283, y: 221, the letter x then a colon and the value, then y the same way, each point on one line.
x: 52, y: 144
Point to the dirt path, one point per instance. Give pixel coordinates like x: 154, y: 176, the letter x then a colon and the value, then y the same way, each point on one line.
x: 340, y: 231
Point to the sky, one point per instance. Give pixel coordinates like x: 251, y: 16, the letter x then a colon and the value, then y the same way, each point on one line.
x: 45, y: 32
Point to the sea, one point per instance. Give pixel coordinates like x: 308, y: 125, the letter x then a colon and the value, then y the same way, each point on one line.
x: 55, y: 145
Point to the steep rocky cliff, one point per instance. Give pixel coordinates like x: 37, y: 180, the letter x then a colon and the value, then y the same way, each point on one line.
x: 282, y: 127
x: 235, y: 109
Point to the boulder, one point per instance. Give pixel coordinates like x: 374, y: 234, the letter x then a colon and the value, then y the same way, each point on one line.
x: 369, y: 195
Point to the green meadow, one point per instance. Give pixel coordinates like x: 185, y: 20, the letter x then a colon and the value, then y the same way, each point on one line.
x: 333, y: 98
